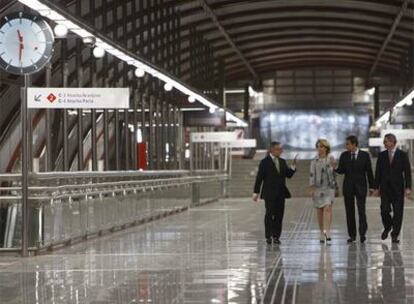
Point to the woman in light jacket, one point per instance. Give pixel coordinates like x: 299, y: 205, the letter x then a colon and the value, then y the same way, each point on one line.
x: 322, y: 185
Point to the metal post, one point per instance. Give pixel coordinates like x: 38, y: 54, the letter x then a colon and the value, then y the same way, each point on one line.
x: 65, y: 121
x: 376, y: 102
x: 106, y: 139
x: 246, y: 102
x: 134, y: 140
x: 49, y: 150
x: 93, y: 121
x: 25, y: 169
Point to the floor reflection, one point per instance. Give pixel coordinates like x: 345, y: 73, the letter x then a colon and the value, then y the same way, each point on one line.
x: 393, y: 285
x: 216, y: 254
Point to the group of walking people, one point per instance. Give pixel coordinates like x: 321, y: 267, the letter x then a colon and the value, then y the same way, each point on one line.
x: 391, y: 182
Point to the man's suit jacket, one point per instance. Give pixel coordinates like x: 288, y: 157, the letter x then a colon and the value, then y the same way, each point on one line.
x: 396, y: 175
x: 356, y: 173
x: 274, y: 182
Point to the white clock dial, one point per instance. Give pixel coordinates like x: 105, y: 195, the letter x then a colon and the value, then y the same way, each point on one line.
x: 26, y: 43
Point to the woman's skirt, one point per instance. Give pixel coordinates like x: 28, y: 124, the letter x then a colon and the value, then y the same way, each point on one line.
x: 323, y: 197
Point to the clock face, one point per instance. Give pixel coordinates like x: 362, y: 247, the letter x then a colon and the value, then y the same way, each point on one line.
x: 26, y: 43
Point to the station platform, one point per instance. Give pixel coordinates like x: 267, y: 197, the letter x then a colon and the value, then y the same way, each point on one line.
x: 217, y: 254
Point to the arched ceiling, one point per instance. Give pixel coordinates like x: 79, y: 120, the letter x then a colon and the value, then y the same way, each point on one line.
x: 256, y: 37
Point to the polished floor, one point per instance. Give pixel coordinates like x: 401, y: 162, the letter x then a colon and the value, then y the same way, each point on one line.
x: 216, y: 254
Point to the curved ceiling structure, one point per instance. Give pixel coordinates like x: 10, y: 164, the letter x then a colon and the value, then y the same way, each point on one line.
x: 257, y: 37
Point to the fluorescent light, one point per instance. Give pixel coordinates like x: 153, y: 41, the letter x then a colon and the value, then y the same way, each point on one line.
x: 60, y: 30
x: 98, y: 52
x: 384, y: 118
x: 139, y: 73
x: 168, y: 86
x: 371, y: 91
x: 61, y: 17
x: 406, y: 100
x: 233, y: 91
x: 191, y: 109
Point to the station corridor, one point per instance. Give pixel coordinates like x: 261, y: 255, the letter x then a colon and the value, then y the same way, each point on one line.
x: 217, y: 254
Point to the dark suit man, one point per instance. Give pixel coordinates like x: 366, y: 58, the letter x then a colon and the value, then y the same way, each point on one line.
x: 392, y: 180
x: 356, y: 166
x: 271, y: 183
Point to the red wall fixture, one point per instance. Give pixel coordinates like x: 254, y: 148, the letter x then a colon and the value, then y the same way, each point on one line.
x: 142, y: 156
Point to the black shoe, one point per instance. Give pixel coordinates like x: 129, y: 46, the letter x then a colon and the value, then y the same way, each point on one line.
x: 395, y: 240
x: 350, y: 240
x: 269, y: 241
x: 363, y: 239
x: 384, y: 234
x: 322, y: 241
x: 327, y: 238
x: 276, y: 241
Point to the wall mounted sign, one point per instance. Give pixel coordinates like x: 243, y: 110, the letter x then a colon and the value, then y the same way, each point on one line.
x: 78, y: 98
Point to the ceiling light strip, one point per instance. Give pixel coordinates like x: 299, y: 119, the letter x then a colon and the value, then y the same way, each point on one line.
x: 406, y: 100
x: 59, y: 16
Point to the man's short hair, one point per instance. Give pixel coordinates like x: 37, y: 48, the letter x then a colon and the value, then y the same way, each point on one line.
x: 391, y: 137
x: 353, y: 140
x: 274, y: 144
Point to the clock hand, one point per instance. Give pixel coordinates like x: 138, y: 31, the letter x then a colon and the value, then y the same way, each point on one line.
x: 21, y: 45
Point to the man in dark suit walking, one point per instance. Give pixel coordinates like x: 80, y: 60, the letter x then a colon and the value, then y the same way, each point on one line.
x: 271, y: 183
x: 392, y: 181
x: 356, y: 166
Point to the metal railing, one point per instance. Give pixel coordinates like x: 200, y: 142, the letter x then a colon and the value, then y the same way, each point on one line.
x: 69, y: 206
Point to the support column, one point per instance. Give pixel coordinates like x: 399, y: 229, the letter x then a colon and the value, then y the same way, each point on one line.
x: 246, y: 102
x: 376, y: 102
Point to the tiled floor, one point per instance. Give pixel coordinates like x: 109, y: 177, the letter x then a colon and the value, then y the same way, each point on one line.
x: 216, y: 254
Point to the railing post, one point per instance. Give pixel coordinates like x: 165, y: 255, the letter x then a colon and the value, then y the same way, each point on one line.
x: 195, y: 193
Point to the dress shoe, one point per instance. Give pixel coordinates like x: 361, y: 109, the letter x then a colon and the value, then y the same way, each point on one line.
x: 327, y: 238
x: 395, y: 241
x: 276, y: 241
x: 363, y: 239
x: 350, y: 240
x: 269, y: 241
x: 384, y: 234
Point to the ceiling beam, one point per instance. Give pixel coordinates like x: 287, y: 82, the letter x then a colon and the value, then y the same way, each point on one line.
x: 216, y: 22
x: 389, y: 37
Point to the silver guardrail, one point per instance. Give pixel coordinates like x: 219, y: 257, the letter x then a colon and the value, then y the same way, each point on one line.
x: 69, y: 206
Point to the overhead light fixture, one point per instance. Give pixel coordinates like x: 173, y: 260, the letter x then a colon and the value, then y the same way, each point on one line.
x: 406, y: 100
x: 168, y: 87
x: 98, y: 52
x: 371, y: 91
x: 139, y: 72
x: 60, y: 16
x: 191, y: 99
x: 60, y: 30
x: 212, y: 110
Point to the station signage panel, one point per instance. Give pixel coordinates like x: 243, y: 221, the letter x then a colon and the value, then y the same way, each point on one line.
x: 216, y: 137
x: 78, y: 98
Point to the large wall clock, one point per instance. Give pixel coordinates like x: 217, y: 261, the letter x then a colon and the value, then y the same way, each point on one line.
x: 26, y: 43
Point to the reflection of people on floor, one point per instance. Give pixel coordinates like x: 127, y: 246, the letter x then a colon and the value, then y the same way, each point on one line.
x: 356, y: 286
x: 325, y: 289
x: 275, y: 278
x: 393, y: 276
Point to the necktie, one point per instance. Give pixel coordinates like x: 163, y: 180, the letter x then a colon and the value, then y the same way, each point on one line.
x: 353, y: 157
x: 276, y: 161
x: 390, y: 156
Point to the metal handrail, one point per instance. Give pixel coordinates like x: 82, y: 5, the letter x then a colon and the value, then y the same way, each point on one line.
x: 117, y: 187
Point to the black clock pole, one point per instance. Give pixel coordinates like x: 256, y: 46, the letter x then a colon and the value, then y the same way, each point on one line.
x: 25, y: 168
